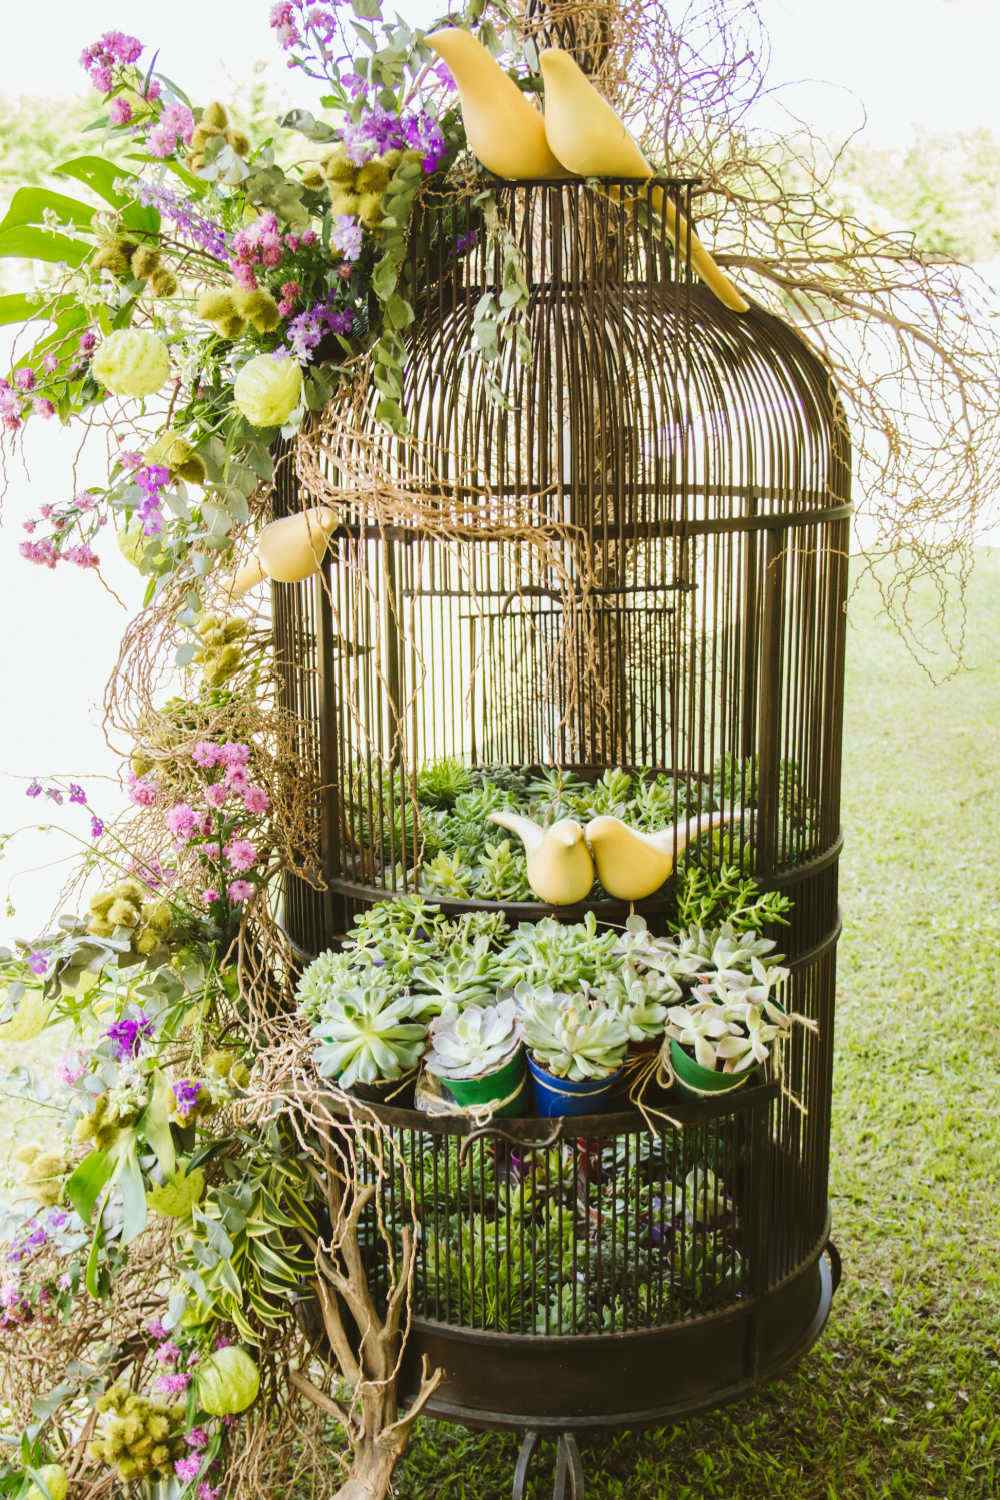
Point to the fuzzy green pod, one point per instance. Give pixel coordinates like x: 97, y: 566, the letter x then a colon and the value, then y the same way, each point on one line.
x: 53, y: 1476
x: 132, y: 362
x: 176, y: 454
x: 145, y: 261
x: 163, y: 282
x: 267, y: 390
x: 227, y: 1382
x: 258, y: 308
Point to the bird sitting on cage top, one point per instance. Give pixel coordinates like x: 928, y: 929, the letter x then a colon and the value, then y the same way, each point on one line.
x: 632, y: 865
x: 560, y: 869
x: 288, y: 550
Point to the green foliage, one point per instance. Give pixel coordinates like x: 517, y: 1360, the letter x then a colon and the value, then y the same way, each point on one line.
x: 705, y: 899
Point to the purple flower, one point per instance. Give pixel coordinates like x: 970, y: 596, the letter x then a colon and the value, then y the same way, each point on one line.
x: 205, y: 233
x: 77, y: 794
x: 196, y: 1438
x: 96, y: 828
x: 347, y: 236
x: 168, y: 1353
x: 354, y: 84
x: 187, y: 1468
x: 424, y: 134
x: 33, y: 789
x: 128, y: 1034
x: 38, y: 963
x: 54, y: 795
x: 239, y: 890
x: 186, y: 1092
x: 466, y: 242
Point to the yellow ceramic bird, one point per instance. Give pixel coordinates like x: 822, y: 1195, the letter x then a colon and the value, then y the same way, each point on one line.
x: 560, y: 869
x: 287, y: 550
x: 632, y: 865
x: 503, y: 129
x: 588, y: 138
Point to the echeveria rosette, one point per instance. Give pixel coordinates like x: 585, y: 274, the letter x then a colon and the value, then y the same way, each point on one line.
x: 365, y: 1037
x: 474, y: 1042
x: 571, y: 1036
x: 700, y: 1028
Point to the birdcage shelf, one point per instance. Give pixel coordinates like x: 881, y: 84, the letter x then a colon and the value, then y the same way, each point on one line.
x: 671, y: 597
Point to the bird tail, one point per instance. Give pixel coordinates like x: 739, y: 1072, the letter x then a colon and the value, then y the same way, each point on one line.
x: 704, y: 266
x: 246, y: 579
x: 695, y: 827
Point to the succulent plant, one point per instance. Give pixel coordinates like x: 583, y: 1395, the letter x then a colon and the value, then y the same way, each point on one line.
x: 640, y: 999
x: 458, y: 982
x: 366, y: 1036
x: 332, y: 973
x: 572, y: 1036
x: 440, y: 782
x: 473, y: 1042
x: 562, y: 955
x: 503, y: 874
x: 446, y: 876
x: 731, y: 1021
x: 700, y: 1028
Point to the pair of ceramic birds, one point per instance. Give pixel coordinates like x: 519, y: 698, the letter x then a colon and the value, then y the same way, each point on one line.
x: 630, y: 865
x: 580, y: 135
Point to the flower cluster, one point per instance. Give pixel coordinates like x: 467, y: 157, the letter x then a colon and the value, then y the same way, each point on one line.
x: 113, y: 49
x: 75, y: 794
x: 175, y: 125
x: 263, y: 245
x: 204, y: 233
x: 307, y: 331
x: 380, y: 130
x: 82, y: 517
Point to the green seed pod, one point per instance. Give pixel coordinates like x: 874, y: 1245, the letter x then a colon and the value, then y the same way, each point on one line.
x: 123, y: 914
x: 215, y: 116
x: 223, y: 665
x: 231, y: 327
x: 176, y: 454
x: 215, y: 304
x: 158, y: 914
x: 370, y: 208
x: 100, y: 901
x: 111, y: 258
x: 313, y: 178
x: 344, y: 202
x: 145, y: 261
x: 163, y: 283
x: 373, y: 177
x: 337, y: 167
x: 129, y: 890
x: 239, y: 142
x: 258, y: 308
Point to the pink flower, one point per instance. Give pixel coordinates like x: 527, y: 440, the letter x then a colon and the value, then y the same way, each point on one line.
x: 142, y: 790
x: 82, y: 555
x: 243, y: 277
x: 24, y: 378
x: 234, y: 754
x: 196, y: 1438
x: 206, y: 755
x: 120, y: 111
x: 217, y: 794
x: 210, y: 895
x: 239, y: 890
x: 187, y: 1468
x: 176, y: 124
x: 50, y: 363
x: 88, y: 341
x: 182, y: 821
x: 43, y: 408
x: 209, y: 1491
x: 255, y: 799
x: 38, y: 963
x: 168, y: 1354
x: 70, y: 1069
x: 96, y: 827
x: 241, y: 854
x: 156, y: 1328
x: 173, y: 1385
x: 210, y: 851
x: 236, y: 779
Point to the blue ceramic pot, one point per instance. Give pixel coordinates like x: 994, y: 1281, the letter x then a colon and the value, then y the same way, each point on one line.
x: 568, y: 1096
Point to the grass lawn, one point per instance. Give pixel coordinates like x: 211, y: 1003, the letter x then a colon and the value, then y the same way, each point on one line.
x: 901, y: 1398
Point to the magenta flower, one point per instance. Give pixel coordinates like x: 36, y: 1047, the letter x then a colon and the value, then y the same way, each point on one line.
x: 209, y: 1491
x: 24, y: 378
x: 120, y: 112
x: 173, y: 1385
x: 210, y: 895
x: 88, y: 342
x: 38, y: 963
x: 196, y: 1438
x: 50, y: 363
x: 239, y: 890
x: 168, y: 1354
x: 255, y: 799
x: 128, y: 1034
x: 43, y: 408
x: 182, y: 821
x: 96, y: 828
x: 175, y: 125
x: 241, y: 854
x: 156, y: 1327
x: 33, y: 789
x: 217, y: 794
x: 234, y: 755
x: 187, y: 1468
x: 142, y: 790
x: 77, y: 794
x: 206, y: 755
x: 99, y: 59
x: 186, y: 1093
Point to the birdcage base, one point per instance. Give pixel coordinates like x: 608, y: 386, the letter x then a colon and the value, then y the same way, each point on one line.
x: 569, y: 1481
x: 553, y: 1386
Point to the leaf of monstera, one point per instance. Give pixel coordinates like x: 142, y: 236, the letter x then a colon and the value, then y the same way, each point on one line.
x: 29, y: 205
x: 28, y: 242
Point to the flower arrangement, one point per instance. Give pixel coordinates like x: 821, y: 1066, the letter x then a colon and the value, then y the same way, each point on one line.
x: 211, y: 296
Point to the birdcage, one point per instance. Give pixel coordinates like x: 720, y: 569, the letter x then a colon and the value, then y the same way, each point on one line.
x: 616, y: 536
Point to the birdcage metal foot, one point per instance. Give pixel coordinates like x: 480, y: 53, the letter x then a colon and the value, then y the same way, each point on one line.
x: 568, y: 1483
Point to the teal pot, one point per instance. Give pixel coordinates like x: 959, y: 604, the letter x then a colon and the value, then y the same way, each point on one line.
x: 570, y: 1096
x: 490, y: 1088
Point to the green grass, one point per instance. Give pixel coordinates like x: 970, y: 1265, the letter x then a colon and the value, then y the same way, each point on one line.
x: 901, y: 1397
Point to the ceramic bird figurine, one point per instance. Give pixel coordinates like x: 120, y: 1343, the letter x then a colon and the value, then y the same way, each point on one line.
x: 632, y: 865
x: 560, y: 869
x: 587, y: 136
x: 287, y: 550
x: 503, y: 129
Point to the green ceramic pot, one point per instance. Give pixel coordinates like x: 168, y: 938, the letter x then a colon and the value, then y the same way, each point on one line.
x: 691, y: 1078
x: 491, y: 1087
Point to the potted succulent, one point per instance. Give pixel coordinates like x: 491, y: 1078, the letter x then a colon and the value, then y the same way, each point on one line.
x: 477, y: 1055
x: 368, y: 1038
x: 728, y: 1028
x: 576, y: 1046
x: 641, y: 998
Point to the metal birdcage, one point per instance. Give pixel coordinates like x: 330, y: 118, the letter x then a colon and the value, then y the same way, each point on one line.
x: 671, y: 596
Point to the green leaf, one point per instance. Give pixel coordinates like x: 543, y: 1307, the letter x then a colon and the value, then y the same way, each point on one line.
x: 398, y: 312
x: 30, y: 204
x: 128, y: 1180
x: 154, y: 1124
x: 99, y: 174
x: 178, y: 1196
x: 92, y: 1279
x: 84, y: 1185
x: 367, y: 10
x: 29, y: 243
x: 307, y: 124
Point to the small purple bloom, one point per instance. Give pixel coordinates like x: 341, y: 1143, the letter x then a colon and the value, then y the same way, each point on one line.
x: 96, y: 828
x: 77, y: 794
x: 128, y: 1034
x: 186, y: 1092
x: 38, y: 963
x: 33, y: 789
